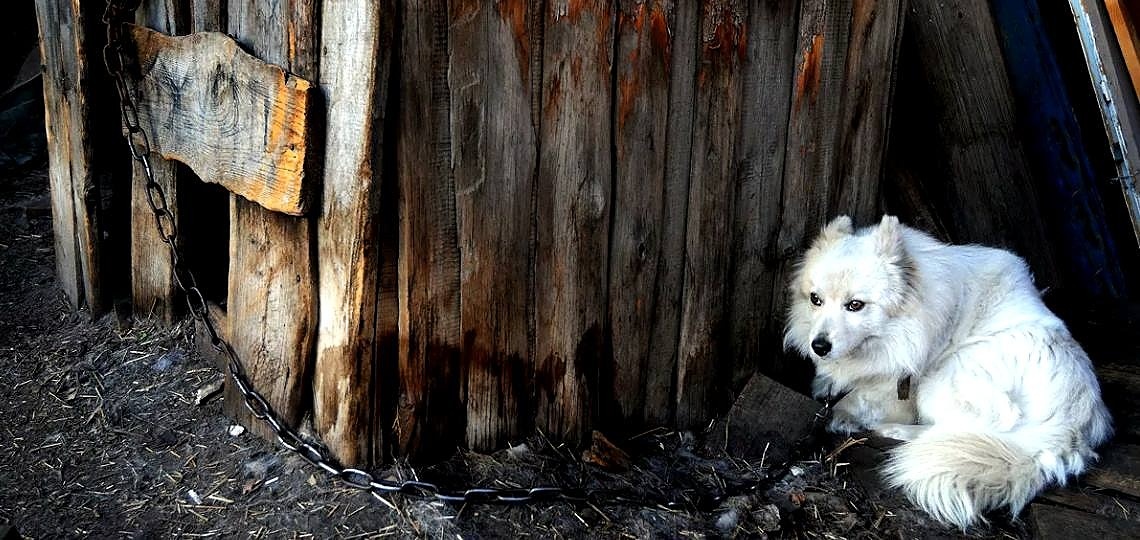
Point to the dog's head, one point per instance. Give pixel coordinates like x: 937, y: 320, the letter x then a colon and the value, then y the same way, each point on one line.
x: 846, y: 289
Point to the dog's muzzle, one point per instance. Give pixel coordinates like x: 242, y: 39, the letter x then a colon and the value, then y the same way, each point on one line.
x: 821, y: 346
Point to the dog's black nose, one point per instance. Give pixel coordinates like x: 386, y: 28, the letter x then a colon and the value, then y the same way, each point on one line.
x: 821, y: 346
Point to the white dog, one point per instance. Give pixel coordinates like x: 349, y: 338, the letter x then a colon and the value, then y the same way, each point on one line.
x: 950, y: 348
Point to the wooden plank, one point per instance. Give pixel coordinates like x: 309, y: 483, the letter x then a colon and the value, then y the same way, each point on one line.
x: 1090, y: 500
x: 1125, y: 17
x: 960, y: 133
x: 641, y: 302
x: 701, y: 375
x: 208, y: 15
x: 867, y: 95
x: 493, y: 162
x: 1052, y: 522
x: 153, y: 292
x: 754, y: 325
x: 354, y: 65
x: 272, y: 304
x: 573, y: 213
x: 661, y: 379
x: 65, y: 53
x: 764, y: 422
x: 429, y: 420
x: 233, y: 119
x: 1118, y: 470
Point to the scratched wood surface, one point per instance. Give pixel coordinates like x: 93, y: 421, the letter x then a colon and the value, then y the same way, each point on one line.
x: 753, y: 330
x: 67, y: 53
x: 701, y: 352
x: 572, y: 214
x: 241, y: 123
x: 153, y: 292
x: 643, y: 272
x: 353, y: 67
x: 272, y: 301
x: 428, y: 420
x: 493, y: 162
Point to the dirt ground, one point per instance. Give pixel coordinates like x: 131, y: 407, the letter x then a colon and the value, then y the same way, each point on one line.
x: 103, y: 437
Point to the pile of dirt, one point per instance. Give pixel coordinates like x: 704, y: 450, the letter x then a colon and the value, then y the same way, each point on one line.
x: 111, y: 431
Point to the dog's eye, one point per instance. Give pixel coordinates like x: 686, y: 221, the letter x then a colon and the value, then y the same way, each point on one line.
x: 815, y: 299
x: 854, y: 305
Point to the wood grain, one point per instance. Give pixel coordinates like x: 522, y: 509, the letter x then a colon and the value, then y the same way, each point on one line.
x: 753, y: 324
x: 493, y: 164
x: 354, y: 68
x: 701, y: 374
x: 272, y: 300
x: 1125, y: 21
x: 974, y: 174
x: 153, y: 292
x: 641, y: 302
x: 573, y: 214
x: 429, y: 419
x: 233, y: 119
x: 66, y: 55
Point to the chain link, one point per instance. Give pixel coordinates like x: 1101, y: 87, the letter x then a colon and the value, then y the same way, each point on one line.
x: 116, y: 57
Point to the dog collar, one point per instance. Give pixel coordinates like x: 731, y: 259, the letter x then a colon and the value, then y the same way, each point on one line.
x: 904, y: 388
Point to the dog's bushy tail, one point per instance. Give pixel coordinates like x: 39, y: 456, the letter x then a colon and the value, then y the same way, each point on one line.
x: 957, y: 476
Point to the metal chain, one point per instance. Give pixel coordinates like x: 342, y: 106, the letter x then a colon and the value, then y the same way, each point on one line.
x: 116, y: 57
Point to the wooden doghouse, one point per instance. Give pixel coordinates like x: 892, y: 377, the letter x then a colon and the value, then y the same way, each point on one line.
x: 559, y: 215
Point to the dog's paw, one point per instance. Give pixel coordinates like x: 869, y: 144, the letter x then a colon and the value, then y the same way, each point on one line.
x: 844, y: 423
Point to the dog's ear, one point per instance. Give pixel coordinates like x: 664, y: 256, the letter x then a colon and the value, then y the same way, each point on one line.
x: 888, y: 236
x: 838, y: 228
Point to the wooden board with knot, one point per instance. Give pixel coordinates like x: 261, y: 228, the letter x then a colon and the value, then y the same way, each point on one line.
x: 233, y: 119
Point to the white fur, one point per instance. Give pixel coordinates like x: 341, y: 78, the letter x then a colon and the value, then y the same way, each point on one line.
x: 1003, y: 401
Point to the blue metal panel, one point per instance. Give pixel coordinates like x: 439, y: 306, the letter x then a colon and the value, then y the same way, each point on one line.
x: 1052, y: 137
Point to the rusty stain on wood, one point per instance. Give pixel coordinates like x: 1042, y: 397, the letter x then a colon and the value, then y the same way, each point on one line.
x: 272, y: 286
x: 234, y: 120
x: 808, y: 73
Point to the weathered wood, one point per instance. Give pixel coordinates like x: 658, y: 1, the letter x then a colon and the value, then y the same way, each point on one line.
x: 753, y: 322
x: 153, y: 292
x: 573, y: 213
x: 1125, y: 17
x: 1093, y: 501
x: 354, y: 67
x: 429, y: 419
x: 642, y: 305
x: 701, y: 376
x: 493, y: 163
x: 867, y: 92
x: 272, y: 304
x: 233, y: 119
x: 661, y: 380
x: 1118, y: 470
x: 959, y: 131
x: 208, y: 15
x: 67, y: 55
x: 764, y: 422
x: 1054, y: 522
